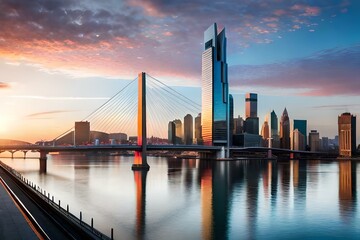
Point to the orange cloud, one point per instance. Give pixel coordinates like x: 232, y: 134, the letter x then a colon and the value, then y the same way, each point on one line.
x: 4, y: 85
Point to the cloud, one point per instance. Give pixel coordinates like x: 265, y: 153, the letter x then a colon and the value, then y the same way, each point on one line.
x: 328, y: 73
x: 44, y: 115
x: 61, y: 98
x: 106, y: 38
x: 4, y: 85
x: 337, y: 106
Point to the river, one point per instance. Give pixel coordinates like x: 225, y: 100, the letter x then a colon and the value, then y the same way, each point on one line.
x: 198, y: 199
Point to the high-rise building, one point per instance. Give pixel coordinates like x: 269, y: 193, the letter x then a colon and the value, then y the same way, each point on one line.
x: 82, y: 133
x: 273, y: 123
x: 215, y: 88
x: 231, y: 118
x: 178, y: 131
x: 188, y: 129
x: 274, y: 132
x: 171, y: 133
x: 265, y: 130
x: 198, y: 136
x: 251, y: 105
x: 298, y: 140
x: 301, y: 125
x: 347, y: 134
x: 325, y: 144
x: 314, y: 141
x: 252, y: 120
x: 238, y: 125
x: 251, y: 125
x: 285, y: 130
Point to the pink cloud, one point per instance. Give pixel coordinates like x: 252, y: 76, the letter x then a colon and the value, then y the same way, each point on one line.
x: 307, y: 10
x: 279, y: 12
x: 168, y: 34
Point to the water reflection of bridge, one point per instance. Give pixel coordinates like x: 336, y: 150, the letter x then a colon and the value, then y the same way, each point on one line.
x: 208, y: 152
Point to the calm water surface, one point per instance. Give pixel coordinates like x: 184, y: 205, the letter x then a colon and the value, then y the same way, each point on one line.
x: 194, y: 199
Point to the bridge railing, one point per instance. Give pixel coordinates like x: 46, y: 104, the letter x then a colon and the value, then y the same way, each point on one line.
x: 57, y: 206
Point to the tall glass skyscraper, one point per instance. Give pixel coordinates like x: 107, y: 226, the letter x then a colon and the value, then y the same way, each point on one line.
x: 214, y: 88
x: 251, y: 105
x: 301, y: 126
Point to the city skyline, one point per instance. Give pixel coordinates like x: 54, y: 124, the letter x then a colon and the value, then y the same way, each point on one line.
x: 60, y: 60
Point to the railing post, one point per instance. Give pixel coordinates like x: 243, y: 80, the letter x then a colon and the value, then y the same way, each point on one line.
x: 112, y: 234
x: 80, y: 217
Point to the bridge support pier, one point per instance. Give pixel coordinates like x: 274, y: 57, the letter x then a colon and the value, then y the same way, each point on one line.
x: 43, y: 161
x: 24, y: 151
x: 12, y: 153
x: 140, y: 161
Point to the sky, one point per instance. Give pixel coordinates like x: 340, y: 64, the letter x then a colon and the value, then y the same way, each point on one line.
x: 61, y: 59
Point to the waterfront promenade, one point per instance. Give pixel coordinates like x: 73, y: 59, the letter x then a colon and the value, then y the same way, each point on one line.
x: 14, y: 224
x: 31, y: 218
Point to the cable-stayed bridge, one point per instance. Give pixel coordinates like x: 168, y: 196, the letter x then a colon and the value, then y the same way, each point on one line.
x: 143, y: 108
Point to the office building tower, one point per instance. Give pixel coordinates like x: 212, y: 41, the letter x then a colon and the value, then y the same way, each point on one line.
x: 347, y: 134
x: 274, y: 132
x: 252, y: 125
x: 265, y: 130
x: 238, y: 125
x: 178, y: 131
x: 251, y: 105
x: 198, y: 136
x: 273, y: 124
x: 324, y: 144
x: 171, y: 133
x: 301, y: 125
x: 252, y: 120
x: 285, y: 130
x: 215, y: 88
x: 314, y: 141
x: 298, y: 140
x: 188, y: 129
x: 231, y: 118
x: 82, y: 133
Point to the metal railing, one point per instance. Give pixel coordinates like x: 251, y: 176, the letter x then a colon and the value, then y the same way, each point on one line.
x: 57, y: 205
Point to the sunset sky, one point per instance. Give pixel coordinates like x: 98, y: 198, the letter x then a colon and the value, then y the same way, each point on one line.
x: 61, y: 59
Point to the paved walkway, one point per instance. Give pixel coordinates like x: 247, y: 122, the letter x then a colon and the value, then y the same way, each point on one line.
x: 13, y: 224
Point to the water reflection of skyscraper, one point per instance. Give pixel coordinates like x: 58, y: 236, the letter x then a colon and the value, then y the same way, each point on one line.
x: 347, y: 188
x: 217, y: 180
x: 299, y: 180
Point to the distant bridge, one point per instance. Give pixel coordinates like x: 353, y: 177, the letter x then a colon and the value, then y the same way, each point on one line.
x: 141, y: 147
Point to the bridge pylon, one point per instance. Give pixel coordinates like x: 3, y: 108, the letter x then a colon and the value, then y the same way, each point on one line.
x: 140, y: 162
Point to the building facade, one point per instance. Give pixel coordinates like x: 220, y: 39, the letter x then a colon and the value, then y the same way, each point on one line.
x: 238, y: 125
x: 265, y: 131
x: 82, y: 133
x: 178, y: 131
x: 171, y: 133
x: 188, y: 129
x: 301, y: 125
x: 274, y: 130
x: 285, y: 130
x: 298, y: 140
x: 347, y: 134
x: 198, y: 136
x: 314, y: 141
x: 215, y: 88
x: 251, y: 105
